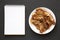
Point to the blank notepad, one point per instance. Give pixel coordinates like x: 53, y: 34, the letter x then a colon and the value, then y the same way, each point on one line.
x: 14, y: 20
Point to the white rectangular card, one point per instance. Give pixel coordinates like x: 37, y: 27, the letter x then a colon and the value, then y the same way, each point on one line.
x: 14, y: 20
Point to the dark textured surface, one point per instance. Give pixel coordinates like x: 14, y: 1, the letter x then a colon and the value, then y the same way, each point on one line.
x: 54, y: 5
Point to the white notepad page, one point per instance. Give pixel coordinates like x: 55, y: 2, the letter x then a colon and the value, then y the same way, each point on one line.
x: 14, y: 20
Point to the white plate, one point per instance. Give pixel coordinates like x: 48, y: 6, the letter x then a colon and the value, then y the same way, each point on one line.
x: 14, y: 20
x: 35, y: 29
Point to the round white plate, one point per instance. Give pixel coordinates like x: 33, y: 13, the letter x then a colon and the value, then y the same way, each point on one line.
x: 34, y: 28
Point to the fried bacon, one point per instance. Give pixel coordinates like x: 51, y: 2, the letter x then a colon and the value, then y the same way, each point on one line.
x: 42, y: 20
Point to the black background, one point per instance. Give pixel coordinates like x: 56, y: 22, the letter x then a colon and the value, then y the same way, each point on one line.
x: 54, y: 5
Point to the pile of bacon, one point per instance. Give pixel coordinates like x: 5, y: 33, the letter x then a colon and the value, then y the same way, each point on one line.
x: 42, y: 20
